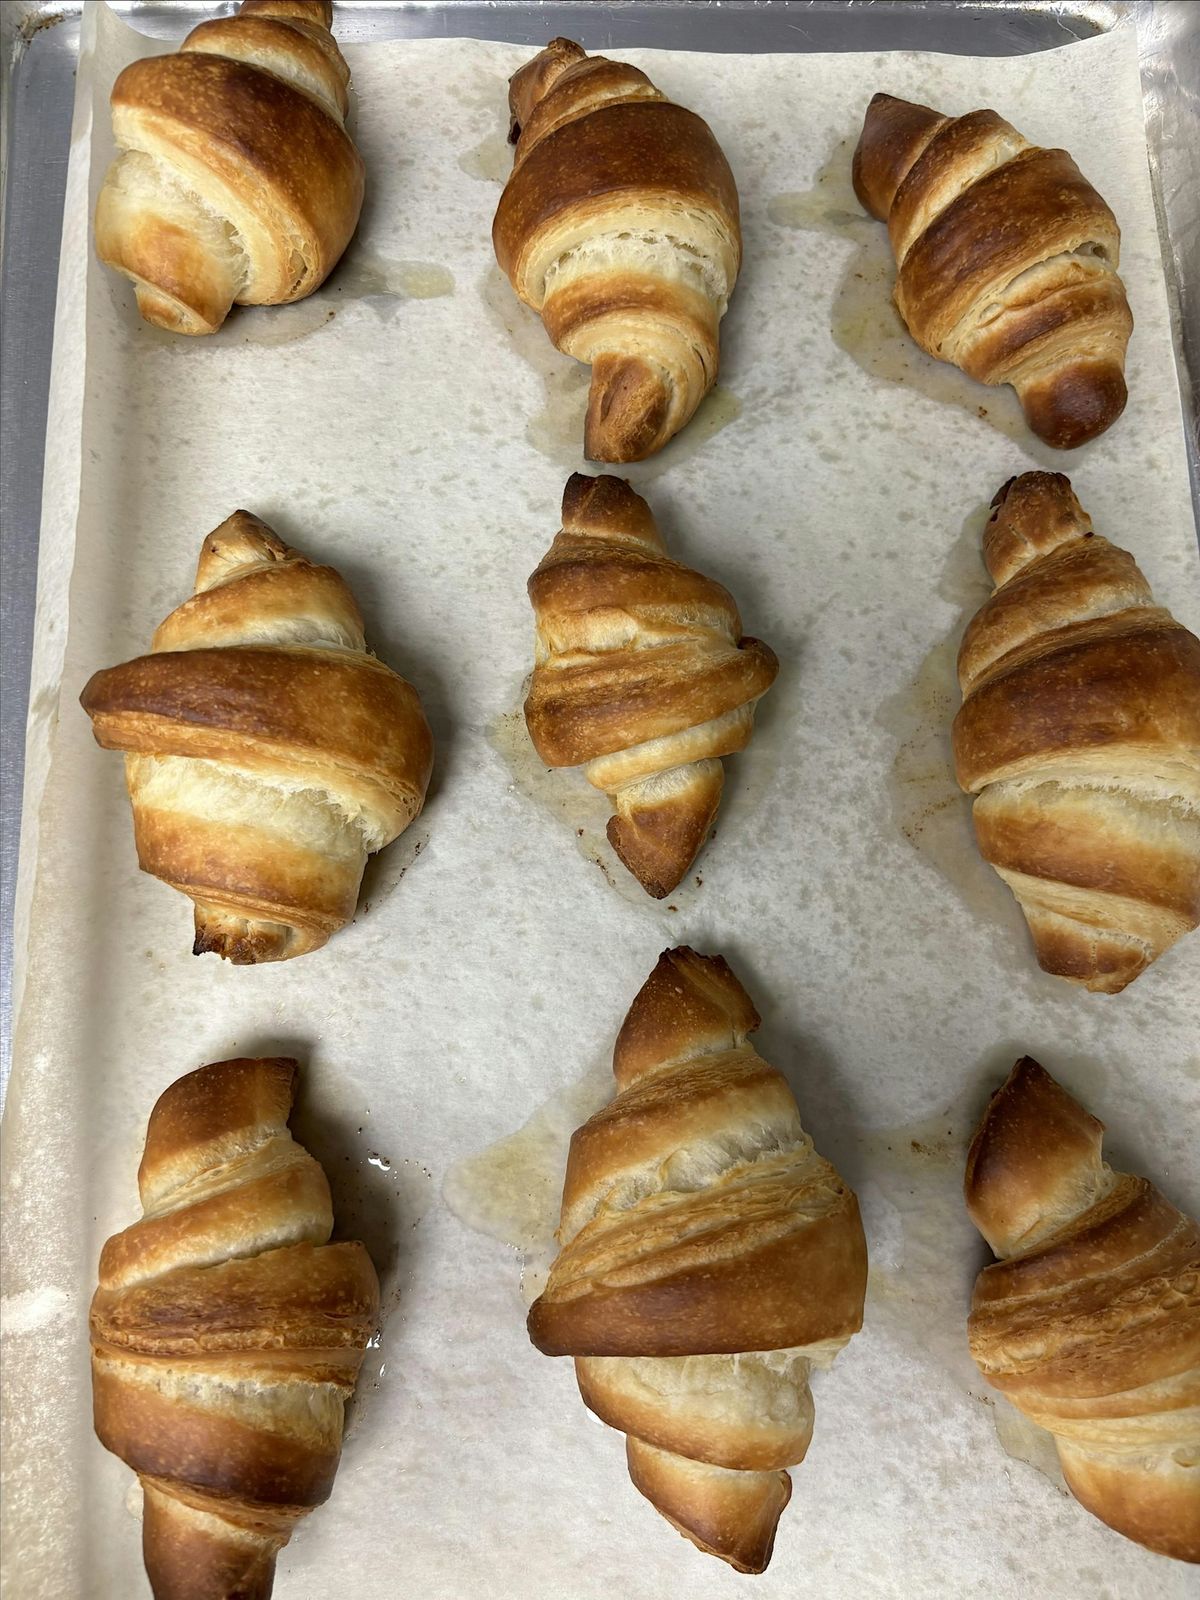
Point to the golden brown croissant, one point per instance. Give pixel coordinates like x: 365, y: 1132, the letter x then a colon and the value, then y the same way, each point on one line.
x: 643, y: 674
x: 237, y: 179
x: 710, y: 1258
x: 1090, y: 1322
x: 1079, y: 733
x: 267, y: 754
x: 227, y: 1333
x: 619, y: 226
x: 1006, y: 261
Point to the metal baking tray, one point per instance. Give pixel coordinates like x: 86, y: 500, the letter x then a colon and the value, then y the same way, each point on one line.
x: 39, y: 43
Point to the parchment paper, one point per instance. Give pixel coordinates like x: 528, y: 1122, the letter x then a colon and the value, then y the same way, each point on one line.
x: 414, y: 426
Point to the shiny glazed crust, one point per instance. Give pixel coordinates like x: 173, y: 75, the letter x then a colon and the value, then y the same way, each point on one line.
x: 227, y: 1333
x: 1006, y: 261
x: 642, y: 676
x: 1079, y: 734
x: 267, y: 754
x: 237, y: 179
x: 709, y: 1259
x: 1090, y: 1322
x: 619, y: 226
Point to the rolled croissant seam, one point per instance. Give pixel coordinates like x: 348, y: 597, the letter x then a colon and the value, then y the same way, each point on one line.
x: 1006, y: 261
x: 709, y: 1259
x: 619, y: 226
x: 1079, y: 736
x: 237, y: 180
x: 642, y: 677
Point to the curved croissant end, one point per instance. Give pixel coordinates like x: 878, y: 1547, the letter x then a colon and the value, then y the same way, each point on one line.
x: 227, y: 1333
x: 1090, y: 1322
x: 237, y: 179
x: 710, y: 1258
x: 1006, y: 261
x: 267, y: 754
x: 619, y: 226
x: 642, y: 676
x: 1079, y: 733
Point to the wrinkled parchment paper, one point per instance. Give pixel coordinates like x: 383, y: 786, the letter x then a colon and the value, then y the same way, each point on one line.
x: 413, y: 425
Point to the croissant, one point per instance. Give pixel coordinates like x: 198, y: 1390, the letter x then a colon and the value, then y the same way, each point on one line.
x: 710, y: 1258
x: 237, y: 179
x: 619, y: 226
x: 227, y: 1333
x: 1006, y: 261
x: 1079, y: 734
x: 1090, y: 1321
x: 641, y: 673
x: 266, y: 753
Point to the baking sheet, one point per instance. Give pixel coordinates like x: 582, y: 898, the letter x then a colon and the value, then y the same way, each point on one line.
x: 419, y: 438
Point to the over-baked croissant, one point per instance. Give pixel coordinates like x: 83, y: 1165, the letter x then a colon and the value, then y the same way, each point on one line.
x: 1090, y: 1322
x: 710, y: 1258
x: 1006, y: 261
x: 267, y: 754
x: 643, y: 674
x: 237, y: 179
x: 227, y: 1333
x: 619, y: 226
x: 1079, y: 733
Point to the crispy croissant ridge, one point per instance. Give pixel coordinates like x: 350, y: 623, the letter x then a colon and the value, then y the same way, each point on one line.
x: 266, y: 753
x: 1090, y: 1322
x: 237, y: 178
x: 1079, y: 734
x: 1006, y: 261
x: 619, y: 226
x: 227, y: 1333
x: 710, y: 1258
x: 642, y: 674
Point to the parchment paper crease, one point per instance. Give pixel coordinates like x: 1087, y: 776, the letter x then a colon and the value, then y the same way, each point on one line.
x: 412, y: 425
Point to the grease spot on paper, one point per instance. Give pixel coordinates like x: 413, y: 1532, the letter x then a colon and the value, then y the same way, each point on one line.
x: 33, y: 1310
x: 490, y: 159
x: 511, y: 1191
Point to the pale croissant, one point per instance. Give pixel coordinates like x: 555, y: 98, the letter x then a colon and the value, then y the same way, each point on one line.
x: 237, y: 179
x: 619, y: 226
x: 1090, y: 1322
x: 642, y: 675
x: 1079, y: 734
x: 710, y: 1258
x: 1006, y: 261
x: 227, y: 1333
x: 267, y: 754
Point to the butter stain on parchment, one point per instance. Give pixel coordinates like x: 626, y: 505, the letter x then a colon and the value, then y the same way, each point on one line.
x: 363, y: 277
x: 511, y: 1191
x: 865, y: 322
x: 568, y: 797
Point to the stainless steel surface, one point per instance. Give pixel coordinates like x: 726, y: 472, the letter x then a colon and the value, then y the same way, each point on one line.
x: 40, y: 41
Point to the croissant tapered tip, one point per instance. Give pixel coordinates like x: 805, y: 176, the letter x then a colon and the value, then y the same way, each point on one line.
x: 318, y: 11
x: 1073, y: 404
x: 607, y: 505
x: 661, y: 823
x: 534, y: 81
x: 1034, y: 1152
x: 629, y: 404
x: 725, y: 1513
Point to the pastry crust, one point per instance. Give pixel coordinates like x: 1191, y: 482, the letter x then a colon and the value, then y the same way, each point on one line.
x: 1090, y: 1321
x: 227, y: 1333
x: 642, y: 677
x: 237, y: 179
x: 267, y: 754
x: 1079, y: 735
x: 709, y: 1259
x: 1006, y: 261
x: 619, y: 226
